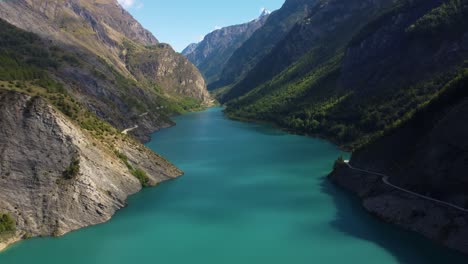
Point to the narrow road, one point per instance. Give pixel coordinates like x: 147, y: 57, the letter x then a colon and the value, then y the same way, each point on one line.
x: 386, y: 181
x: 125, y: 132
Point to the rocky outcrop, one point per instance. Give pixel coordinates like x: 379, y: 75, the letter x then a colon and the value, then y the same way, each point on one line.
x: 437, y: 222
x: 189, y: 49
x: 98, y: 15
x: 63, y: 167
x: 262, y: 42
x: 213, y: 52
x: 174, y: 74
x: 56, y: 178
x: 426, y: 155
x: 99, y: 27
x: 98, y: 34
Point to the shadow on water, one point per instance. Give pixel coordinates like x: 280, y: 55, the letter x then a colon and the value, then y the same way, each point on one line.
x: 407, y: 247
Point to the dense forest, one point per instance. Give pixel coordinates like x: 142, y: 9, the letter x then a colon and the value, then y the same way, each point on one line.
x: 332, y: 93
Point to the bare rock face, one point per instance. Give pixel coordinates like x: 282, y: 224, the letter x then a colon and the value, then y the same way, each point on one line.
x: 100, y: 31
x: 39, y: 146
x: 102, y: 16
x: 99, y: 27
x: 56, y: 177
x: 437, y: 222
x: 212, y: 54
x: 170, y: 70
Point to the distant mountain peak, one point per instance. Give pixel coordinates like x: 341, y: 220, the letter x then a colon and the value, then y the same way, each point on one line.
x: 190, y: 48
x: 264, y: 12
x: 212, y: 53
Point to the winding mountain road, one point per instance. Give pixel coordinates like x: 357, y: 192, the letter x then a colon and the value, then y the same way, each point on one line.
x: 125, y: 132
x: 386, y: 181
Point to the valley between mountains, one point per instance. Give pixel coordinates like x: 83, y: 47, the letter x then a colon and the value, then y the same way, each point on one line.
x: 83, y: 86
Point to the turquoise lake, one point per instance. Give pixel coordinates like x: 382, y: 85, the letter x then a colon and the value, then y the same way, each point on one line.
x: 251, y: 194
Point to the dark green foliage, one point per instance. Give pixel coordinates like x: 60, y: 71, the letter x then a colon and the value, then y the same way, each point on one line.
x: 7, y: 223
x: 23, y: 55
x: 312, y: 98
x: 453, y: 91
x: 73, y: 169
x: 262, y: 42
x: 313, y: 41
x: 138, y: 173
x: 448, y: 19
x: 382, y: 19
x: 28, y: 64
x: 142, y: 177
x: 124, y: 159
x: 71, y: 60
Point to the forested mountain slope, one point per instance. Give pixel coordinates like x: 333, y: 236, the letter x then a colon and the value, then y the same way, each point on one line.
x: 392, y: 88
x: 393, y: 65
x: 326, y: 30
x: 263, y: 41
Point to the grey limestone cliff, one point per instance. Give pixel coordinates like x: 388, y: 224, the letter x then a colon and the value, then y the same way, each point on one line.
x: 39, y: 146
x: 217, y: 47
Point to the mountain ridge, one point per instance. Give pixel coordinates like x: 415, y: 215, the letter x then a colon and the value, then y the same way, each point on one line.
x: 212, y: 53
x: 91, y: 30
x: 71, y: 80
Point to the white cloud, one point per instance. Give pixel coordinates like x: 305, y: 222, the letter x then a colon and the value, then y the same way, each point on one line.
x: 130, y: 4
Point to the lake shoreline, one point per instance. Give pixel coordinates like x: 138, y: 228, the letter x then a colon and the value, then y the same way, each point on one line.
x: 6, y: 243
x: 387, y: 217
x: 248, y: 187
x: 431, y: 220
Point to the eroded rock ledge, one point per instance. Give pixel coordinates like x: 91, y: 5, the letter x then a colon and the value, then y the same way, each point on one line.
x: 437, y: 222
x: 39, y: 144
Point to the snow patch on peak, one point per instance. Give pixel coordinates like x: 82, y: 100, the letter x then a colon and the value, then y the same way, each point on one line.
x: 264, y: 12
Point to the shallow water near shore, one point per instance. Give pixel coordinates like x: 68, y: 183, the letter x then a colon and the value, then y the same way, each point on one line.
x: 250, y: 194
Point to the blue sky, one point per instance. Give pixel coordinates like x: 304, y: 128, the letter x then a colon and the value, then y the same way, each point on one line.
x: 181, y: 22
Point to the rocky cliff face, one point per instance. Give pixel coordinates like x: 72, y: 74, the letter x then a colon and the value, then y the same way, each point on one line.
x: 73, y: 75
x: 189, y: 49
x: 212, y: 54
x: 99, y: 32
x: 172, y: 72
x: 40, y: 146
x: 99, y: 27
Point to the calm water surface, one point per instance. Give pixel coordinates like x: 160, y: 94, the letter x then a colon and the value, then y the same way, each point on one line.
x: 251, y: 194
